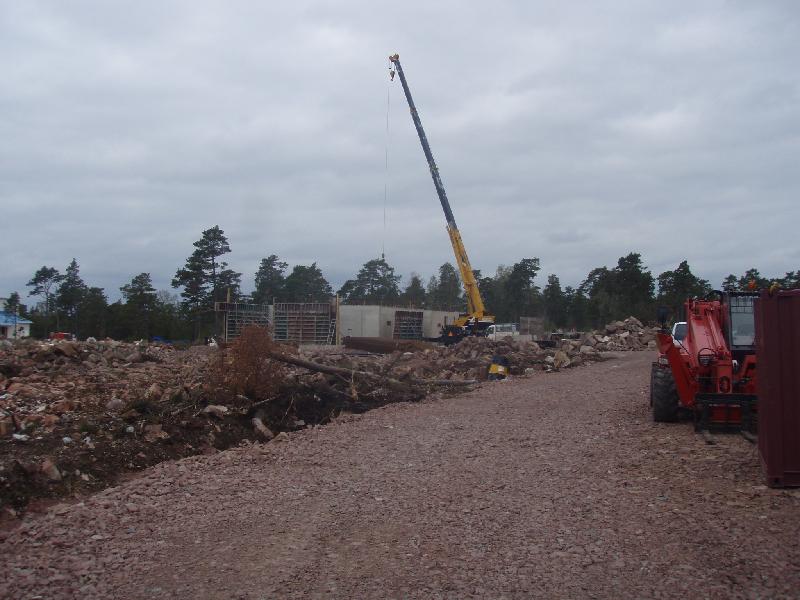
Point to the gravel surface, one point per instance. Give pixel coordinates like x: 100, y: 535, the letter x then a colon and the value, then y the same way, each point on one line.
x: 557, y: 485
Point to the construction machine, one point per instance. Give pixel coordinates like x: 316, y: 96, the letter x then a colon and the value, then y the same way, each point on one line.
x: 710, y: 373
x: 476, y: 319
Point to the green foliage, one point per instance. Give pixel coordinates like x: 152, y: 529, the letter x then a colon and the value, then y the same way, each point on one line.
x: 375, y: 283
x: 44, y: 283
x: 270, y: 280
x: 730, y: 283
x: 605, y: 295
x: 70, y: 294
x: 141, y: 303
x: 206, y: 280
x: 555, y: 302
x: 674, y: 287
x: 15, y: 309
x: 521, y: 295
x: 444, y: 292
x: 414, y: 295
x: 616, y: 293
x: 790, y: 281
x: 307, y: 284
x: 93, y: 313
x: 752, y: 279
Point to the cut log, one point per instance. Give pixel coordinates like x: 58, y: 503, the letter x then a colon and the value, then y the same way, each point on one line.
x: 391, y: 382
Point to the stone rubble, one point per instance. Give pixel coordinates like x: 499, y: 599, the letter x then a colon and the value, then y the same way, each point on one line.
x: 104, y: 407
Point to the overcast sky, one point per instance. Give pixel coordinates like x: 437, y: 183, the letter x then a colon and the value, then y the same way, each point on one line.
x: 573, y: 132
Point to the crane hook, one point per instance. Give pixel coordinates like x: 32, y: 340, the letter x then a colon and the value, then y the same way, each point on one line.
x: 391, y: 74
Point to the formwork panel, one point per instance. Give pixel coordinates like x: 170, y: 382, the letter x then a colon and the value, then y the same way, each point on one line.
x: 303, y: 323
x: 407, y: 325
x: 239, y: 315
x: 778, y: 359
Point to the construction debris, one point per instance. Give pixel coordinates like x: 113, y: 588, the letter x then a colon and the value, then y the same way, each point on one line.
x: 103, y: 408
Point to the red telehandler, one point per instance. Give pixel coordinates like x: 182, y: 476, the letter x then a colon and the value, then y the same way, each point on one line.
x: 711, y: 373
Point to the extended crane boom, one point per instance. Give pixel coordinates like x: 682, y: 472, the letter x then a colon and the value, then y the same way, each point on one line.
x: 476, y: 312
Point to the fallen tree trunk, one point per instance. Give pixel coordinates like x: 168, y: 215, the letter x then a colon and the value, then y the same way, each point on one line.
x: 396, y: 383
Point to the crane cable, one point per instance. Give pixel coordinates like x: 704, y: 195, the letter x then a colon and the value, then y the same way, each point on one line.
x: 386, y: 163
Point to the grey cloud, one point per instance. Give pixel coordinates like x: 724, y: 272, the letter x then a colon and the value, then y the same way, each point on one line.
x: 571, y: 133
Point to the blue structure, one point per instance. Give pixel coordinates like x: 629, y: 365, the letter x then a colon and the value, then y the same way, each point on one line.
x: 8, y: 322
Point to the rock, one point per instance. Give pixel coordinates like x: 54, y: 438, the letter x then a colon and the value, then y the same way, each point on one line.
x: 62, y: 406
x: 587, y: 350
x: 49, y: 421
x: 154, y: 392
x: 549, y: 359
x: 262, y: 430
x: 50, y: 470
x: 115, y: 404
x: 68, y: 349
x: 215, y: 410
x: 281, y: 437
x: 135, y: 357
x: 153, y: 432
x: 20, y: 437
x: 560, y: 360
x: 6, y: 426
x: 91, y: 340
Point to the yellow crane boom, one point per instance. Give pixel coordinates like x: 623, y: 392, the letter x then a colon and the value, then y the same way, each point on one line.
x: 476, y: 319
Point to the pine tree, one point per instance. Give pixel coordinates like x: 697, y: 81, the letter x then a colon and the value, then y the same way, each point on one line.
x: 555, y: 304
x: 205, y: 279
x: 70, y: 293
x: 13, y: 309
x: 307, y: 284
x: 141, y: 303
x: 414, y: 295
x: 44, y: 282
x: 270, y: 280
x: 375, y: 283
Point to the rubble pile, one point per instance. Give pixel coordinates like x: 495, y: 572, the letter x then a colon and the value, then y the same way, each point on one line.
x: 74, y: 416
x: 629, y: 334
x: 43, y: 383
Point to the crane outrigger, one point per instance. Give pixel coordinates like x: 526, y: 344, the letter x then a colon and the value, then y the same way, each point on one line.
x: 476, y: 319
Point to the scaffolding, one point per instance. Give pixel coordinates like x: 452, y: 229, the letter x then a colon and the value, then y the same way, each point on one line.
x: 240, y: 315
x: 407, y: 325
x: 305, y: 323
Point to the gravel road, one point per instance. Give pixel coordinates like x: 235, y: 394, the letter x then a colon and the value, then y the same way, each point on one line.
x: 557, y: 485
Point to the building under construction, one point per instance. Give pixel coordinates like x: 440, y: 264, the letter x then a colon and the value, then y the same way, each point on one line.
x: 327, y: 323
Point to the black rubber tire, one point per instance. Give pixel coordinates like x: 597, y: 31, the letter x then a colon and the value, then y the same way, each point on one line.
x: 663, y: 395
x: 653, y: 367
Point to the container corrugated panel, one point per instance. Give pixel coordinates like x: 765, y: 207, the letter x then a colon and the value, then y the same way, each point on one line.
x: 778, y: 367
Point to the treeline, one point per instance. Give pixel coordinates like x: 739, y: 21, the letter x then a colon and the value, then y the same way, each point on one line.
x: 67, y: 303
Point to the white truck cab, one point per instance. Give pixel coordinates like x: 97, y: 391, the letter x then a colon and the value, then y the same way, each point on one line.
x: 499, y: 331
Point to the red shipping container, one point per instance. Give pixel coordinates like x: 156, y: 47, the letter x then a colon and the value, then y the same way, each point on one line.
x: 778, y: 359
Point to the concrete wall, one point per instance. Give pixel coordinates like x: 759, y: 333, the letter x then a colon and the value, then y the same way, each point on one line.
x: 378, y: 321
x: 23, y: 331
x: 359, y: 321
x: 434, y: 320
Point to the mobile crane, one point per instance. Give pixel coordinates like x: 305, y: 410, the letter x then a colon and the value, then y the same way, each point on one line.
x: 476, y: 319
